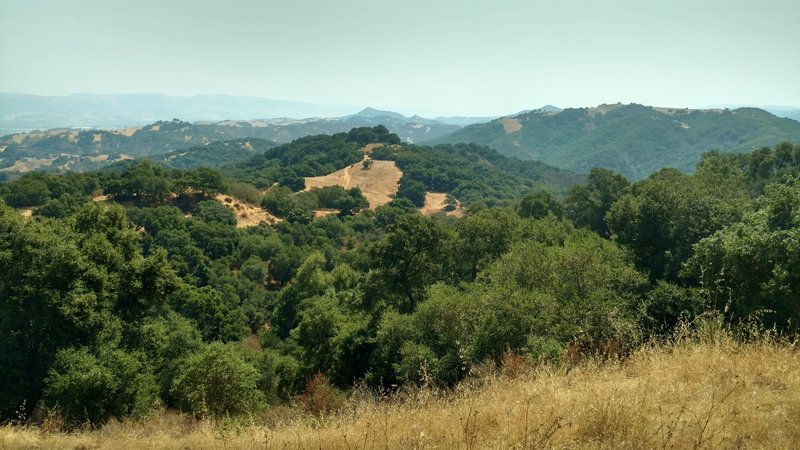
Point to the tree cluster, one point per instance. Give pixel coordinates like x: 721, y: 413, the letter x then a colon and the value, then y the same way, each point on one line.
x: 114, y: 309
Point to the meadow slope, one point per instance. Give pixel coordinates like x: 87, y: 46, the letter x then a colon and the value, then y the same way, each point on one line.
x: 709, y: 394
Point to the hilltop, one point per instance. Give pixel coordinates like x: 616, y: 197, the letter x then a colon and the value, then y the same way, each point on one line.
x: 634, y: 140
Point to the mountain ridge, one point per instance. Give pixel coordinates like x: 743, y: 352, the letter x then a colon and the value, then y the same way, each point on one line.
x: 632, y: 139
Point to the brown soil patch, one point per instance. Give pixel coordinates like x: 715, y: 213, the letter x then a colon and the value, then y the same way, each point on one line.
x: 511, y: 125
x: 98, y: 158
x: 100, y: 198
x: 127, y: 132
x: 155, y: 128
x: 18, y: 138
x: 370, y: 147
x: 247, y: 215
x: 97, y: 138
x: 378, y: 183
x: 3, y: 148
x: 435, y: 203
x: 27, y: 165
x: 26, y: 212
x: 322, y: 212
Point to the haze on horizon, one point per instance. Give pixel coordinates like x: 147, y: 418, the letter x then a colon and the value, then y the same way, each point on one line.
x: 442, y: 58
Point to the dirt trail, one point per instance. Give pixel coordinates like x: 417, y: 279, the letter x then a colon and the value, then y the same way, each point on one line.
x: 347, y: 177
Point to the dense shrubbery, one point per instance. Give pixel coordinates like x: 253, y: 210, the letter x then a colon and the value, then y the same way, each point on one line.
x: 108, y: 311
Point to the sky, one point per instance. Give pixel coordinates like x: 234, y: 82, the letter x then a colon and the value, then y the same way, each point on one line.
x: 432, y: 57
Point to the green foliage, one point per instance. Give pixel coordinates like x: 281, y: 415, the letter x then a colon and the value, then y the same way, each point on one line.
x: 216, y: 318
x: 214, y: 154
x: 37, y: 188
x: 409, y: 259
x: 482, y: 238
x: 217, y: 381
x: 587, y: 204
x: 88, y: 388
x: 751, y: 265
x: 142, y: 182
x: 109, y: 312
x: 597, y: 292
x: 207, y: 181
x: 64, y: 206
x: 69, y: 284
x: 278, y: 201
x: 634, y: 140
x: 211, y: 211
x: 347, y: 201
x: 660, y: 218
x: 412, y: 190
x: 539, y: 204
x: 307, y: 157
x: 471, y: 173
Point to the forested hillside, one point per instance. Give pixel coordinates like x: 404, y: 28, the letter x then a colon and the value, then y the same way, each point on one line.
x: 132, y: 288
x: 634, y: 140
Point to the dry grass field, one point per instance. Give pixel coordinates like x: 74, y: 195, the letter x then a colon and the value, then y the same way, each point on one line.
x: 247, y: 215
x: 378, y: 183
x: 712, y: 393
x: 435, y: 203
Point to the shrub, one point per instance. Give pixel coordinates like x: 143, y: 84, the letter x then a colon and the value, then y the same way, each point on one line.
x: 320, y: 396
x: 216, y: 381
x: 91, y: 389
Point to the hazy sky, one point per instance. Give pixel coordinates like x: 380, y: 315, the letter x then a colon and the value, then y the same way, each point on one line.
x: 428, y: 57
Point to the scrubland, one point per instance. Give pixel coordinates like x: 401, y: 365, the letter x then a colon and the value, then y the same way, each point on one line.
x: 698, y: 392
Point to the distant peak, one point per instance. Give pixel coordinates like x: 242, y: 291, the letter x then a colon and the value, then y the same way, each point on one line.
x: 372, y: 112
x: 544, y: 109
x: 550, y: 108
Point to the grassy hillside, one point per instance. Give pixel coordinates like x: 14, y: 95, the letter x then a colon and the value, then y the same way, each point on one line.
x: 215, y: 154
x: 635, y: 140
x: 710, y: 394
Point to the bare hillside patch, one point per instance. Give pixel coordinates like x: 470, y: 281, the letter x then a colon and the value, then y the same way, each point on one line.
x: 28, y: 164
x: 247, y: 215
x: 378, y: 183
x: 127, y: 132
x: 435, y: 202
x: 324, y: 212
x: 511, y: 125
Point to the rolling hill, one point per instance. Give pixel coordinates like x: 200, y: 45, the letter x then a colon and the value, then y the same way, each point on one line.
x: 632, y: 139
x: 67, y: 149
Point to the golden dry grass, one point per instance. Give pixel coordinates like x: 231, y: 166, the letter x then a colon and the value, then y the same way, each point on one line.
x: 247, y: 215
x: 127, y: 132
x: 510, y: 125
x: 378, y: 184
x: 435, y: 203
x: 716, y: 394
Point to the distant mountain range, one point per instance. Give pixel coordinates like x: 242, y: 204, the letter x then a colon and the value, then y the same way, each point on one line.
x: 77, y: 149
x: 632, y: 139
x: 789, y: 112
x: 22, y: 112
